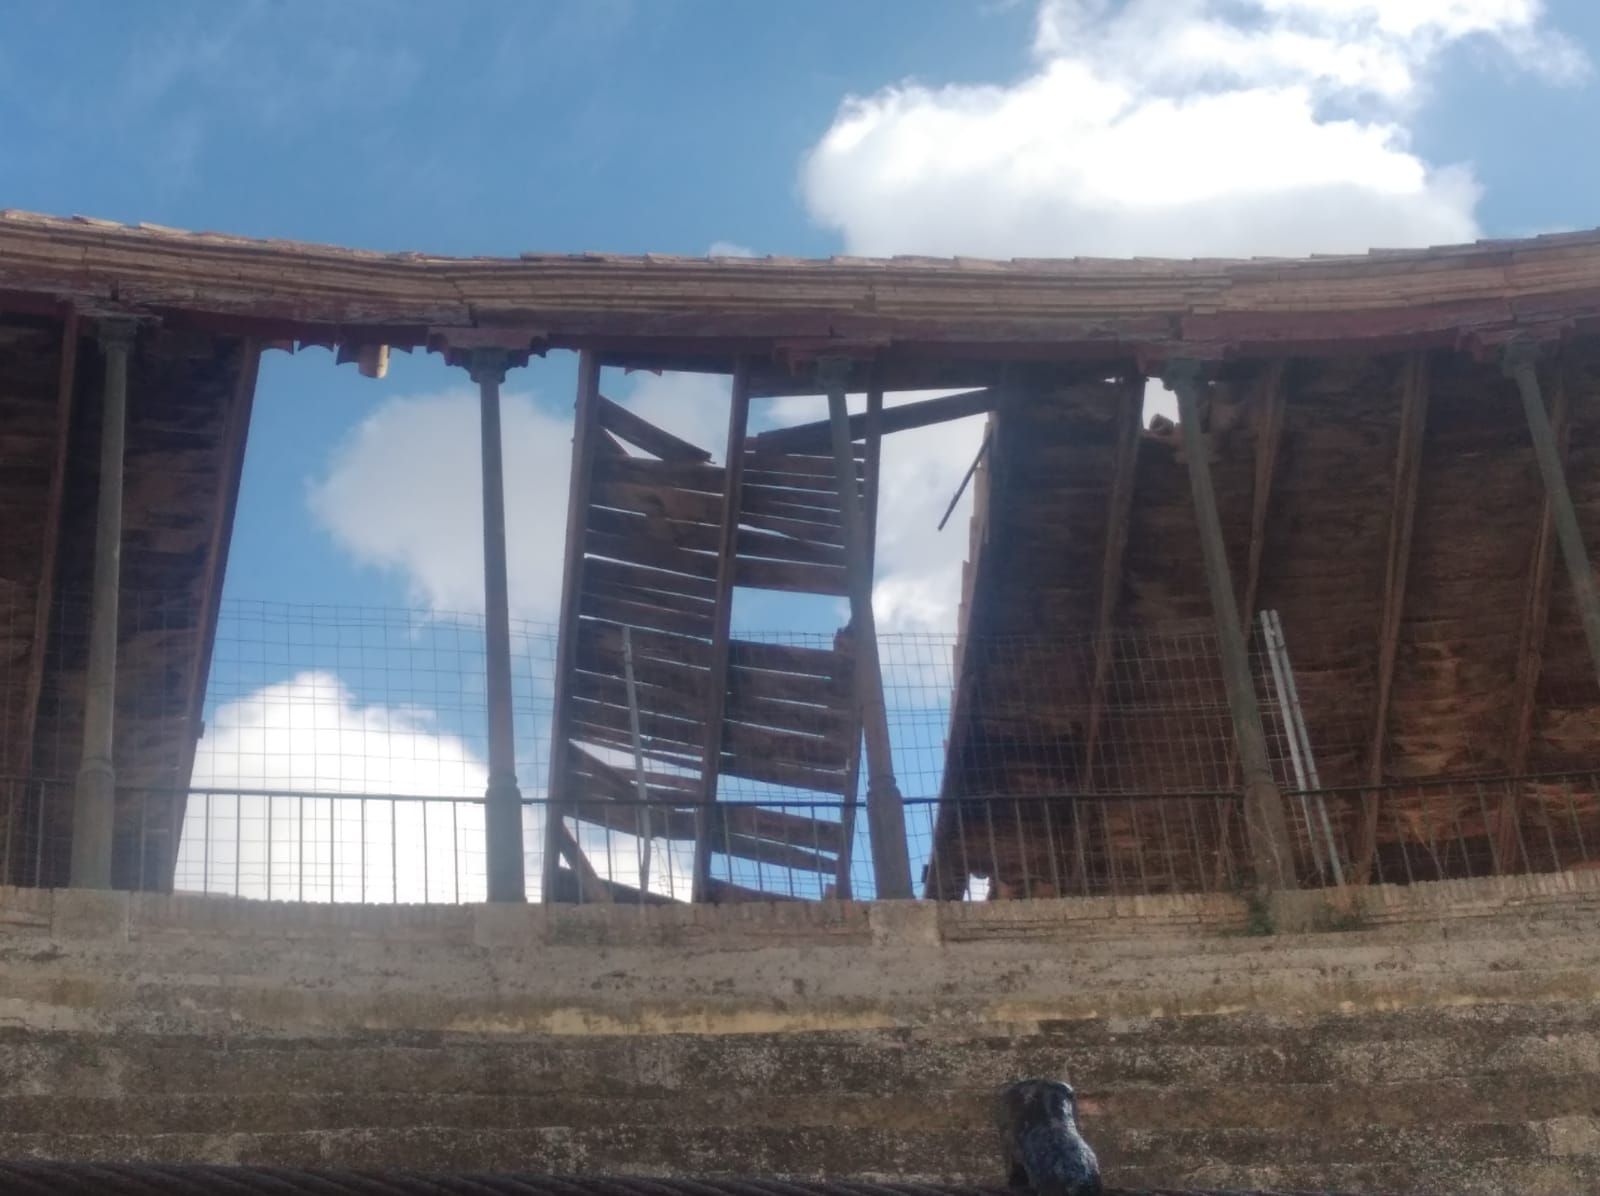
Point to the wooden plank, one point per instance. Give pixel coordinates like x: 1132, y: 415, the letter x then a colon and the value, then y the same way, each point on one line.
x: 44, y: 595
x: 1119, y: 512
x: 790, y: 716
x: 721, y: 636
x: 789, y: 658
x: 786, y: 504
x: 702, y: 479
x: 745, y: 684
x: 1530, y: 649
x: 780, y: 772
x: 648, y: 646
x: 672, y: 602
x: 742, y: 739
x: 613, y: 691
x: 807, y: 465
x: 592, y: 887
x: 766, y: 546
x: 819, y: 491
x: 642, y: 529
x: 659, y: 501
x: 1402, y: 520
x: 818, y: 435
x: 753, y: 832
x: 790, y: 577
x: 612, y: 783
x: 585, y: 429
x: 644, y: 615
x: 651, y: 554
x: 656, y: 726
x: 622, y: 574
x: 799, y: 529
x: 660, y: 751
x: 641, y: 433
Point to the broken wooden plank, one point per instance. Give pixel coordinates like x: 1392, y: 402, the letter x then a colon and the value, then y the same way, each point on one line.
x: 790, y: 577
x: 641, y: 433
x: 702, y: 479
x: 894, y: 419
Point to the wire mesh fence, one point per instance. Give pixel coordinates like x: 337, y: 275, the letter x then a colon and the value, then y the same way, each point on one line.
x: 339, y: 755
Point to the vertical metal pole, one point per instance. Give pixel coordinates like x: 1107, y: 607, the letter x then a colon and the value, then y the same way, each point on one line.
x: 886, y: 817
x: 1521, y: 365
x: 1265, y: 823
x: 640, y: 787
x: 502, y: 800
x: 94, y: 800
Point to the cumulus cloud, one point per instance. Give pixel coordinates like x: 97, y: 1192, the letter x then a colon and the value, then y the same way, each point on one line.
x: 1175, y: 127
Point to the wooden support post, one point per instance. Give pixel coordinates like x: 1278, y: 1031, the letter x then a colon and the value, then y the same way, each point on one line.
x: 503, y: 800
x: 1269, y: 436
x: 1530, y: 650
x: 1520, y: 364
x: 1265, y: 821
x: 721, y: 634
x: 94, y: 800
x: 1402, y: 518
x: 886, y: 819
x: 843, y: 885
x: 585, y: 433
x: 1119, y: 512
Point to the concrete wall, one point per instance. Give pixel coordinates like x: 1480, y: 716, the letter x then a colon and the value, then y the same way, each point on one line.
x: 1440, y: 1038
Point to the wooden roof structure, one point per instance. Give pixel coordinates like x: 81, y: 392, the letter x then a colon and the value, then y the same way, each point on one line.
x: 1082, y: 527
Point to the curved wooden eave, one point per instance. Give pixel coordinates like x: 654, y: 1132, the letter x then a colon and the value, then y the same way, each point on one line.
x: 1478, y: 293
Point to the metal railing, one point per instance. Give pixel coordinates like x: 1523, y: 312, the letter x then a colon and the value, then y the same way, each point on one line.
x: 389, y: 848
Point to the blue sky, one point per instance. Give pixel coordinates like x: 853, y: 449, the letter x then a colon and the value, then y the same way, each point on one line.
x: 982, y: 126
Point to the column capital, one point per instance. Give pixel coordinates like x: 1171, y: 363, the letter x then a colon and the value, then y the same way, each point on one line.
x: 486, y: 364
x: 1183, y: 372
x: 116, y: 332
x: 1520, y: 357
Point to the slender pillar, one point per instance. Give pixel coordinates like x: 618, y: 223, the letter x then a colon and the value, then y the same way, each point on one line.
x: 1265, y: 822
x: 503, y: 800
x: 95, y: 797
x: 886, y: 816
x: 1521, y: 363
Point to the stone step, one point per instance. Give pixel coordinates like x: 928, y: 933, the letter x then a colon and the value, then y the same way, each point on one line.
x: 817, y: 1151
x: 1276, y: 1108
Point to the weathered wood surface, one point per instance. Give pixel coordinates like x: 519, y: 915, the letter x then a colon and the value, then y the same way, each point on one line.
x: 1091, y: 305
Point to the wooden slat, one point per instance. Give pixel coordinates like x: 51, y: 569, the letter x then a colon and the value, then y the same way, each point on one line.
x: 780, y: 772
x: 611, y: 782
x: 1402, y: 519
x: 672, y: 602
x: 703, y: 479
x: 894, y: 419
x: 653, y: 555
x: 742, y: 739
x: 789, y: 716
x: 1530, y: 649
x: 622, y: 574
x: 613, y: 690
x: 1269, y: 436
x: 766, y: 546
x: 674, y: 755
x: 644, y: 615
x: 753, y: 832
x: 1119, y: 511
x: 696, y: 537
x: 786, y: 504
x: 662, y: 500
x: 791, y: 578
x: 821, y: 491
x: 661, y: 728
x: 605, y: 642
x: 788, y: 687
x: 643, y: 434
x: 800, y: 529
x: 789, y: 658
x: 816, y: 466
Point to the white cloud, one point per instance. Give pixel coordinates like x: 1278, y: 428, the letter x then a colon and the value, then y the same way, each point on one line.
x: 1174, y: 127
x: 729, y: 249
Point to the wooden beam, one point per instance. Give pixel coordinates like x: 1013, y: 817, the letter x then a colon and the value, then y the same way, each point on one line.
x: 1402, y: 518
x: 1119, y: 513
x: 1269, y: 436
x: 894, y: 419
x: 891, y: 864
x: 235, y: 437
x: 641, y: 433
x: 1265, y: 821
x: 721, y: 633
x: 584, y: 433
x: 1530, y: 649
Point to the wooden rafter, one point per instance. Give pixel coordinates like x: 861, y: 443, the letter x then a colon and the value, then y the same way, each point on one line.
x: 815, y: 436
x: 44, y: 599
x: 230, y: 472
x: 1402, y: 520
x: 1119, y: 508
x: 1530, y: 649
x: 619, y: 421
x: 721, y: 629
x: 557, y: 840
